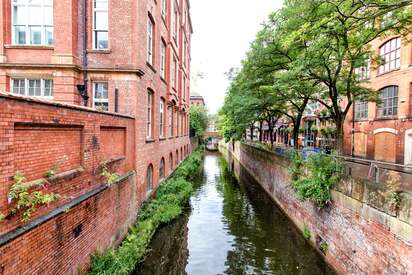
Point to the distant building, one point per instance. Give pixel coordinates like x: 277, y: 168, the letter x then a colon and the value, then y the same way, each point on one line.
x: 197, y: 100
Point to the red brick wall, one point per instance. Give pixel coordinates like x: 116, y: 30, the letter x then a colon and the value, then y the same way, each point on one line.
x: 34, y: 135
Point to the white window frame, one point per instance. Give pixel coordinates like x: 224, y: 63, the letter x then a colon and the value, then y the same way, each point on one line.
x: 174, y: 72
x: 26, y: 87
x: 170, y: 111
x: 149, y: 118
x: 363, y: 72
x: 95, y: 30
x: 162, y: 117
x: 150, y: 40
x: 100, y: 100
x: 44, y: 26
x: 393, y: 62
x: 163, y: 60
x: 163, y: 9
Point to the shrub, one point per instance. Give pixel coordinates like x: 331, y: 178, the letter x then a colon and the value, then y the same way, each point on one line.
x: 167, y: 206
x: 322, y: 173
x: 306, y: 233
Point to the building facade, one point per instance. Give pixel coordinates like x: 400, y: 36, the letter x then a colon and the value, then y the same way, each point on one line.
x: 383, y: 129
x: 129, y: 57
x: 197, y: 100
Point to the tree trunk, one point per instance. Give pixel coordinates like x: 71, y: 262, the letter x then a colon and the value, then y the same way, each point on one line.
x: 260, y: 131
x: 339, y: 141
x: 296, y: 128
x: 251, y: 132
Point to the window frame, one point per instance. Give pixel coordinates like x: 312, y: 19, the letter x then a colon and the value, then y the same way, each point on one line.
x: 163, y: 59
x: 27, y: 87
x: 150, y: 40
x: 27, y: 26
x: 364, y: 72
x: 100, y: 100
x: 96, y: 31
x: 174, y: 73
x: 149, y: 115
x: 170, y: 120
x: 162, y: 117
x: 388, y: 103
x: 163, y: 9
x: 387, y: 67
x: 361, y: 110
x: 162, y: 169
x: 149, y: 180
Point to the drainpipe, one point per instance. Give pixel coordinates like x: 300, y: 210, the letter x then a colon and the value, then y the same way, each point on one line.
x: 353, y: 130
x: 83, y: 88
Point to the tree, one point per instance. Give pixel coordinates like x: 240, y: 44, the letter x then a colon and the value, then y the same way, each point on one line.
x: 198, y: 120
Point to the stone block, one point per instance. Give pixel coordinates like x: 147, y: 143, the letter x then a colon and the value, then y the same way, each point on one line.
x: 377, y: 197
x: 405, y: 208
x: 358, y: 189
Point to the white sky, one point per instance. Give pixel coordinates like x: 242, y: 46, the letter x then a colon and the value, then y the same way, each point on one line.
x: 223, y: 30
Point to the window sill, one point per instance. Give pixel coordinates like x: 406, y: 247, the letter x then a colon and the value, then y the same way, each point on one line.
x: 163, y: 80
x: 99, y: 51
x: 150, y: 140
x: 69, y: 175
x: 162, y: 139
x: 385, y: 73
x: 112, y: 160
x: 386, y: 118
x: 27, y: 47
x: 151, y: 67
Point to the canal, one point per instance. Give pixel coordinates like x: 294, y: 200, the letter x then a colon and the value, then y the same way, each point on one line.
x: 231, y: 228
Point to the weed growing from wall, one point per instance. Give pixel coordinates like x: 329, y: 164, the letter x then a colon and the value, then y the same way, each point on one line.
x: 393, y: 190
x: 313, y: 178
x: 108, y: 175
x: 306, y: 233
x: 28, y: 202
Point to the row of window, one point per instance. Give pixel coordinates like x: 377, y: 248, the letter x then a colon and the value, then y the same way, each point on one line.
x: 180, y: 121
x: 390, y: 55
x: 184, y: 151
x: 387, y: 107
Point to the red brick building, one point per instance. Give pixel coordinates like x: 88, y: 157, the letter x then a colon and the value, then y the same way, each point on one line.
x: 129, y: 57
x: 86, y: 82
x: 383, y: 130
x: 197, y: 100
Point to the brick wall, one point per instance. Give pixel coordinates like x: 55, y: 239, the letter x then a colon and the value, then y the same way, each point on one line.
x: 90, y: 216
x: 364, y: 237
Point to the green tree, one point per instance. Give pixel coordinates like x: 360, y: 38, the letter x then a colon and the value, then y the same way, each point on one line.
x: 198, y: 121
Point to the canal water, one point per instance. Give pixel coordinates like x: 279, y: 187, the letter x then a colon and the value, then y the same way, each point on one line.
x: 230, y: 228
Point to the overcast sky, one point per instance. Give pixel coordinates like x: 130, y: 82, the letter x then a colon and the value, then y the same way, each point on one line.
x: 223, y: 30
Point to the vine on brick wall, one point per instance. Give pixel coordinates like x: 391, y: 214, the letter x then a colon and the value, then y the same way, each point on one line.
x: 313, y: 178
x: 25, y: 201
x: 393, y: 190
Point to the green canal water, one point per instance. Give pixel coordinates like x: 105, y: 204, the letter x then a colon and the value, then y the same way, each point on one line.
x: 230, y: 228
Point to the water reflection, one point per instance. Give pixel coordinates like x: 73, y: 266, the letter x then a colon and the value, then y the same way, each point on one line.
x: 232, y: 228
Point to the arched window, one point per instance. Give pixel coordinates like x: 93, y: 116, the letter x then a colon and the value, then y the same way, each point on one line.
x: 177, y: 157
x: 162, y: 169
x: 171, y: 162
x: 388, y: 106
x: 149, y: 178
x: 390, y: 53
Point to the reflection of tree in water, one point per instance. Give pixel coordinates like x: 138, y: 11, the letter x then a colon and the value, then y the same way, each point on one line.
x: 169, y: 251
x: 265, y: 240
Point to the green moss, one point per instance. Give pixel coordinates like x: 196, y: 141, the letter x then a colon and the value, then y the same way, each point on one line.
x: 306, y: 233
x: 170, y: 199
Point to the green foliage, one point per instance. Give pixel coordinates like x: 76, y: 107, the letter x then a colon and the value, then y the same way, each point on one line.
x: 296, y: 166
x: 306, y: 233
x: 324, y: 247
x: 55, y: 168
x: 2, y: 217
x: 109, y: 176
x: 198, y: 120
x: 309, y: 51
x: 25, y: 201
x: 168, y: 204
x: 318, y: 174
x: 393, y: 190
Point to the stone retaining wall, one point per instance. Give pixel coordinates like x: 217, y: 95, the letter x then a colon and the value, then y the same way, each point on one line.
x: 363, y: 235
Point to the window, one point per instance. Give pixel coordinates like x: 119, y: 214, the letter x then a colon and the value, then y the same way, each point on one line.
x: 32, y: 87
x: 163, y: 9
x: 101, y: 96
x: 101, y: 24
x: 175, y: 19
x: 170, y: 162
x: 361, y: 109
x: 390, y: 54
x: 32, y: 22
x: 388, y: 102
x: 170, y: 115
x: 149, y: 133
x: 162, y: 117
x: 177, y: 157
x: 149, y: 179
x: 363, y: 72
x: 163, y: 60
x: 174, y: 72
x: 162, y: 169
x: 150, y: 31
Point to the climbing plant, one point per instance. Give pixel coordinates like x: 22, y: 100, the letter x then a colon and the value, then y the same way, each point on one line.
x: 25, y: 201
x: 313, y: 178
x: 2, y: 217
